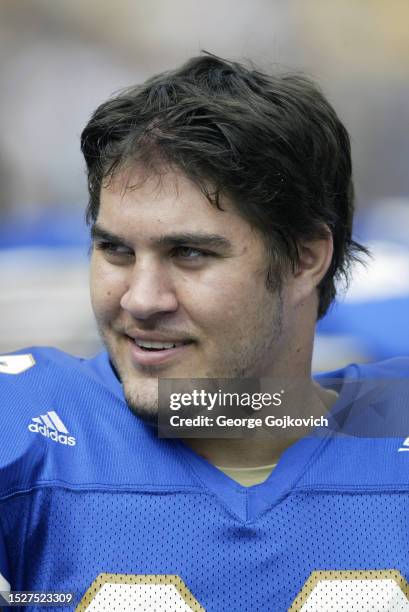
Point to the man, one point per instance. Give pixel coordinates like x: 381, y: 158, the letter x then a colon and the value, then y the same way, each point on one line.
x: 221, y: 212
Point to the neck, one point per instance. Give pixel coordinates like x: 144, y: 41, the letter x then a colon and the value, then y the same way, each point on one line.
x: 239, y: 453
x: 256, y: 452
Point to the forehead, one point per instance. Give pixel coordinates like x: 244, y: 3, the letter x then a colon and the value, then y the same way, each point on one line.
x: 151, y: 204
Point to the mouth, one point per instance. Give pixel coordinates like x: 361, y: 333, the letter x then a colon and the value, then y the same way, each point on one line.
x: 150, y: 352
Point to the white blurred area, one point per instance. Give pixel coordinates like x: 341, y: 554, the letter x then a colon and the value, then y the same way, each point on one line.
x: 45, y: 301
x: 59, y: 60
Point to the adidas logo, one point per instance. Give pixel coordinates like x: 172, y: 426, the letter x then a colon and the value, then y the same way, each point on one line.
x: 405, y: 446
x: 51, y: 426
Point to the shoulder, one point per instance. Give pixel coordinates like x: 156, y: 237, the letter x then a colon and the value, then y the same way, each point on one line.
x: 373, y: 417
x: 27, y: 377
x: 18, y: 362
x: 377, y: 393
x: 36, y: 380
x: 371, y: 431
x: 36, y: 372
x: 391, y: 368
x: 43, y: 392
x: 58, y: 412
x: 30, y: 363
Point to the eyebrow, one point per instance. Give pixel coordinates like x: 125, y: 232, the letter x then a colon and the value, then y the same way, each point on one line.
x: 199, y: 239
x: 99, y: 233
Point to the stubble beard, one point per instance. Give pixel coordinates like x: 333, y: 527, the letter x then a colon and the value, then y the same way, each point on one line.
x: 142, y: 393
x: 142, y: 397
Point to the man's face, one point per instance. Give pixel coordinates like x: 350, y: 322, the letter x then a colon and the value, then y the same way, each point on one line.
x: 179, y: 288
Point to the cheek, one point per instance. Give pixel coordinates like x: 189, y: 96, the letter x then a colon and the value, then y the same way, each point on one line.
x: 221, y: 304
x: 107, y: 288
x: 245, y: 309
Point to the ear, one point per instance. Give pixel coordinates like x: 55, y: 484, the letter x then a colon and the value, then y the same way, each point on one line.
x: 315, y: 259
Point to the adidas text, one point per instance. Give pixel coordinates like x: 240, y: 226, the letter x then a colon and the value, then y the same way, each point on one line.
x: 51, y: 426
x: 53, y: 435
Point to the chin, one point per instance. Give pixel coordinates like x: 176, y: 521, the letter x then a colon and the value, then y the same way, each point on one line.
x: 148, y: 414
x: 142, y: 398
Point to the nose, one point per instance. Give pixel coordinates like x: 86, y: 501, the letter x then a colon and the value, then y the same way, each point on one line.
x: 150, y: 291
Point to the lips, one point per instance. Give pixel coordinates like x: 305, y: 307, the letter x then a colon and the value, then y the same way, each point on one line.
x: 156, y: 352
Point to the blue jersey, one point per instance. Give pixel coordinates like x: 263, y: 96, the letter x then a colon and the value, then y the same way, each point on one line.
x: 93, y: 503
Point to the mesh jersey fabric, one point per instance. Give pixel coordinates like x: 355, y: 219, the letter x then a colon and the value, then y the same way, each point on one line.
x: 127, y: 521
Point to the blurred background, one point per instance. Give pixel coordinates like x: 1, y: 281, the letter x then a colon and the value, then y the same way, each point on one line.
x: 59, y: 60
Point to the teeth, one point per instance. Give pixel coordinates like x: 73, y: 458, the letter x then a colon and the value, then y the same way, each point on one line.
x: 157, y: 345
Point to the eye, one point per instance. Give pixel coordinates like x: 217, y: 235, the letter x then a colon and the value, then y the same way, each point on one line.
x: 190, y: 253
x: 113, y: 249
